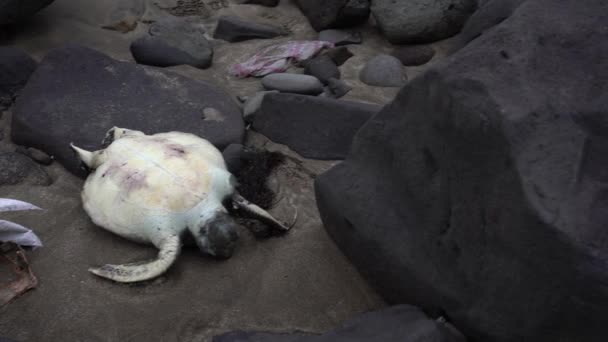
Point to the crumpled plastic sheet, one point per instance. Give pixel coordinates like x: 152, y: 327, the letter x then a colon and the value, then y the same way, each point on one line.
x: 13, y: 232
x: 276, y: 58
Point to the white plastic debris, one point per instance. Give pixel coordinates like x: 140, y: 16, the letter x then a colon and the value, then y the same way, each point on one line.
x: 276, y: 58
x: 13, y: 232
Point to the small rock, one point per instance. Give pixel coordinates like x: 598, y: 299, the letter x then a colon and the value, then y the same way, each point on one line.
x: 16, y: 168
x: 293, y: 83
x: 338, y: 88
x: 321, y: 67
x: 173, y: 41
x: 253, y: 104
x: 413, y: 55
x: 383, y: 71
x: 235, y: 29
x: 16, y: 67
x: 339, y: 55
x: 267, y: 3
x: 324, y: 14
x: 39, y: 156
x: 340, y: 37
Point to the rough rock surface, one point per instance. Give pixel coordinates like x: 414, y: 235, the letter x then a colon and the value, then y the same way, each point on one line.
x: 324, y: 14
x: 383, y: 71
x: 314, y: 127
x: 16, y: 67
x: 322, y: 67
x: 489, y: 183
x: 293, y: 83
x: 77, y: 94
x: 398, y: 323
x: 421, y: 21
x: 413, y: 55
x: 173, y: 41
x: 15, y: 168
x: 234, y: 29
x: 14, y: 11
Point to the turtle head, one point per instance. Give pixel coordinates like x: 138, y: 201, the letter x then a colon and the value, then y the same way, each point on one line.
x: 217, y: 236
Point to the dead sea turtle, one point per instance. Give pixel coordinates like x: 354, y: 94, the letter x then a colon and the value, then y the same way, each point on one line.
x: 157, y: 188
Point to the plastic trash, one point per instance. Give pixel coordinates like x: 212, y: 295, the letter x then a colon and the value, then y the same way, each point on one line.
x: 276, y: 58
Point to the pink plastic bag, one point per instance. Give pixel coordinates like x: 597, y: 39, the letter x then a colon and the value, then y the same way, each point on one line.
x: 276, y: 58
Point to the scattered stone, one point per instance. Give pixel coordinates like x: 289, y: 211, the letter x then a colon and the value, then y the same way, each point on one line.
x: 124, y: 17
x: 16, y: 67
x: 267, y: 3
x: 383, y: 71
x: 314, y: 127
x: 293, y: 83
x: 421, y: 21
x: 77, y: 94
x: 15, y: 168
x: 253, y: 104
x: 340, y: 37
x: 413, y: 55
x: 321, y: 67
x: 235, y: 29
x: 173, y: 41
x: 397, y: 323
x: 338, y: 88
x: 490, y: 200
x: 37, y: 155
x: 14, y: 11
x: 339, y: 55
x: 323, y: 14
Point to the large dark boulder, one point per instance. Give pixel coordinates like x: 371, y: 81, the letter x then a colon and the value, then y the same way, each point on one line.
x: 77, y: 94
x: 315, y: 127
x: 16, y: 67
x: 324, y: 14
x: 399, y: 323
x: 14, y: 11
x: 421, y: 21
x: 481, y: 192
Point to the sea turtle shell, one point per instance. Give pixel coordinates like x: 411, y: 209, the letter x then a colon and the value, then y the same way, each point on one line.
x: 150, y: 183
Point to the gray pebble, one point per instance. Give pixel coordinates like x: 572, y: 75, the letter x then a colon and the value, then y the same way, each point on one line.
x: 293, y: 83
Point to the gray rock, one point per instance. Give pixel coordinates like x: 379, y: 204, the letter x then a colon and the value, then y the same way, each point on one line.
x: 383, y: 71
x: 413, y: 55
x: 321, y: 67
x: 16, y: 67
x: 421, y: 21
x: 398, y: 323
x: 293, y: 83
x: 39, y: 156
x: 267, y: 3
x: 77, y: 94
x: 15, y: 11
x: 253, y: 104
x: 338, y: 88
x: 314, y: 127
x: 339, y: 55
x: 340, y: 37
x: 15, y: 168
x: 173, y: 41
x: 323, y: 14
x: 235, y: 29
x: 480, y: 194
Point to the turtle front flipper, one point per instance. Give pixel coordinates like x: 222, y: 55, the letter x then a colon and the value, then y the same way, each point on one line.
x: 250, y: 209
x: 140, y: 271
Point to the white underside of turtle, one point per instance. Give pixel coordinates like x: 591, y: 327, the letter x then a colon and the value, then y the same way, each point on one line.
x: 157, y: 188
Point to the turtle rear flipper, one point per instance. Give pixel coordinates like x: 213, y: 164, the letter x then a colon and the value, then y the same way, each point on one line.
x: 140, y: 271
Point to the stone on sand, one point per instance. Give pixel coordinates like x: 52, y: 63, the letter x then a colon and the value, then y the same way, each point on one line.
x: 324, y: 14
x: 383, y: 71
x: 414, y: 55
x: 293, y: 83
x: 321, y: 67
x: 340, y: 37
x: 234, y: 29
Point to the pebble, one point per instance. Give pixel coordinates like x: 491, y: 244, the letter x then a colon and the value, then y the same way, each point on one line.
x: 293, y: 83
x: 383, y: 71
